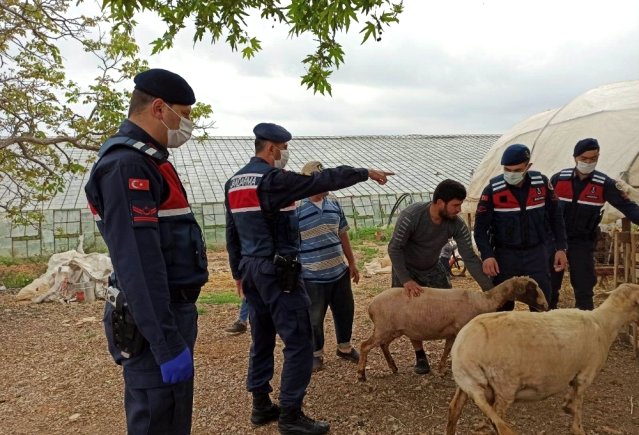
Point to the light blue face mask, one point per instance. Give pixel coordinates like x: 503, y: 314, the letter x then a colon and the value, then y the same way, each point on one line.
x: 514, y: 178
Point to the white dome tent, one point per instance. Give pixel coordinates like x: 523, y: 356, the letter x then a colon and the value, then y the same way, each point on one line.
x: 609, y: 113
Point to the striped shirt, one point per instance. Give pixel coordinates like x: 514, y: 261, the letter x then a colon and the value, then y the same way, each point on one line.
x: 321, y: 251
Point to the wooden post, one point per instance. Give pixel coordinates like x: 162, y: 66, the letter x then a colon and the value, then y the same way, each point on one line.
x: 633, y: 257
x: 615, y: 241
x: 627, y: 240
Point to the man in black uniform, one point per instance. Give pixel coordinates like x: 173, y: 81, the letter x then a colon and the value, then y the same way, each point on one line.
x: 582, y: 192
x: 263, y: 243
x: 158, y: 255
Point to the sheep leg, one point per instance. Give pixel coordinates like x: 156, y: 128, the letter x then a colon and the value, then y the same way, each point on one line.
x: 501, y: 405
x: 389, y: 358
x: 441, y: 369
x: 454, y: 410
x: 577, y: 428
x: 500, y: 425
x: 574, y: 403
x: 568, y: 405
x: 363, y: 356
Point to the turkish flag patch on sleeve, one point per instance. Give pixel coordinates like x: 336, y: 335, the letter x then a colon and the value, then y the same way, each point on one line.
x: 138, y: 184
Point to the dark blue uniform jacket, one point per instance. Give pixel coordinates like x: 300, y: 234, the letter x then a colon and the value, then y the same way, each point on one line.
x: 260, y: 207
x: 518, y: 217
x: 154, y: 241
x: 581, y: 201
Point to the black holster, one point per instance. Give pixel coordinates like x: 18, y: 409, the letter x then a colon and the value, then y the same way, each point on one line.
x: 288, y: 272
x: 126, y: 335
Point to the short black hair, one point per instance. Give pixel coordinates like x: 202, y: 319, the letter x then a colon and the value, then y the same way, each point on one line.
x: 448, y: 190
x: 139, y: 101
x: 260, y: 144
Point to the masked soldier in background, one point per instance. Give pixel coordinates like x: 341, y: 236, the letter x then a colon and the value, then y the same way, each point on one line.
x: 262, y: 237
x: 158, y: 254
x: 517, y: 222
x: 582, y: 192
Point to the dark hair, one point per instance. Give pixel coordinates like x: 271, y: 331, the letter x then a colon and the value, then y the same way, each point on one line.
x: 448, y: 190
x: 139, y: 101
x: 260, y: 144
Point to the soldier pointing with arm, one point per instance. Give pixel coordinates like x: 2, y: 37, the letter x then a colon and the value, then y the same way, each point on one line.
x: 262, y: 235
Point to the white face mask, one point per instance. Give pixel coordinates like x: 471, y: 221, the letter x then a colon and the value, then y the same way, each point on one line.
x: 281, y: 163
x: 177, y: 138
x: 514, y: 178
x: 586, y: 168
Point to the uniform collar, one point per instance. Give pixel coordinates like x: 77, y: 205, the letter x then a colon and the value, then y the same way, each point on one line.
x: 132, y: 130
x: 256, y: 159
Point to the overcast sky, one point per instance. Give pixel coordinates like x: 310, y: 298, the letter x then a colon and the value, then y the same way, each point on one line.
x: 448, y: 67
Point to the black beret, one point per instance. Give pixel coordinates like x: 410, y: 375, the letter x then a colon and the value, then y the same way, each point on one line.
x: 272, y: 132
x: 515, y: 154
x: 584, y: 145
x: 164, y: 84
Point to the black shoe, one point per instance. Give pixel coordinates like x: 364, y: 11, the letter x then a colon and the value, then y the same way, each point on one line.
x: 318, y: 363
x: 422, y: 367
x: 237, y: 328
x: 294, y: 422
x: 352, y: 356
x: 264, y: 416
x: 264, y: 411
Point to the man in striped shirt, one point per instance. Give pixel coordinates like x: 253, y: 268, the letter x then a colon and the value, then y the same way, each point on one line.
x: 327, y: 277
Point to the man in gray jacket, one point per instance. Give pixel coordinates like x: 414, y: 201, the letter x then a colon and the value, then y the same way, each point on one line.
x: 422, y: 229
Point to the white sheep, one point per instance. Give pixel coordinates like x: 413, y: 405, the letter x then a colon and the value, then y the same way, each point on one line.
x: 500, y: 358
x: 438, y: 314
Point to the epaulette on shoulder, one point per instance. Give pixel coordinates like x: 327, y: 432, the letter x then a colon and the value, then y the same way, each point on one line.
x: 566, y: 174
x: 536, y: 179
x: 599, y: 177
x: 498, y: 183
x: 132, y: 143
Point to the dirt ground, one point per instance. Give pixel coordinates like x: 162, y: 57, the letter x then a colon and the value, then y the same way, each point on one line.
x: 57, y: 378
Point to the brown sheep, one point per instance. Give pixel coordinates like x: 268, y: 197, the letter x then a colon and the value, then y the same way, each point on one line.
x: 438, y: 314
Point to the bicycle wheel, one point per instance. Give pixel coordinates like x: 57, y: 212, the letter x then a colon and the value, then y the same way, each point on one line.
x: 458, y: 268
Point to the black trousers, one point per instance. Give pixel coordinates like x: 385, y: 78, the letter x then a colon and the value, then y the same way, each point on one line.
x: 532, y: 262
x: 153, y: 407
x: 581, y: 261
x: 339, y: 296
x: 273, y: 312
x: 435, y: 277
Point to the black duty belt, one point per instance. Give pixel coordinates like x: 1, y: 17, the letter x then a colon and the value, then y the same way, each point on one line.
x: 184, y: 296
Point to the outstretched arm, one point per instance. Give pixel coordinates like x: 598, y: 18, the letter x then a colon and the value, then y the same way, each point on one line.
x: 280, y: 188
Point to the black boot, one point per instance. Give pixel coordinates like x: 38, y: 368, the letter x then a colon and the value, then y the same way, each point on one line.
x: 294, y: 422
x: 264, y: 411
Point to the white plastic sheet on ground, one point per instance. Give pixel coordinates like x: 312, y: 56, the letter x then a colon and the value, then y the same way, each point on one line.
x: 70, y: 276
x: 378, y: 266
x: 609, y: 113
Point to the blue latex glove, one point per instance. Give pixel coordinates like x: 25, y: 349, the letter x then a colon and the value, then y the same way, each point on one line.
x: 179, y: 369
